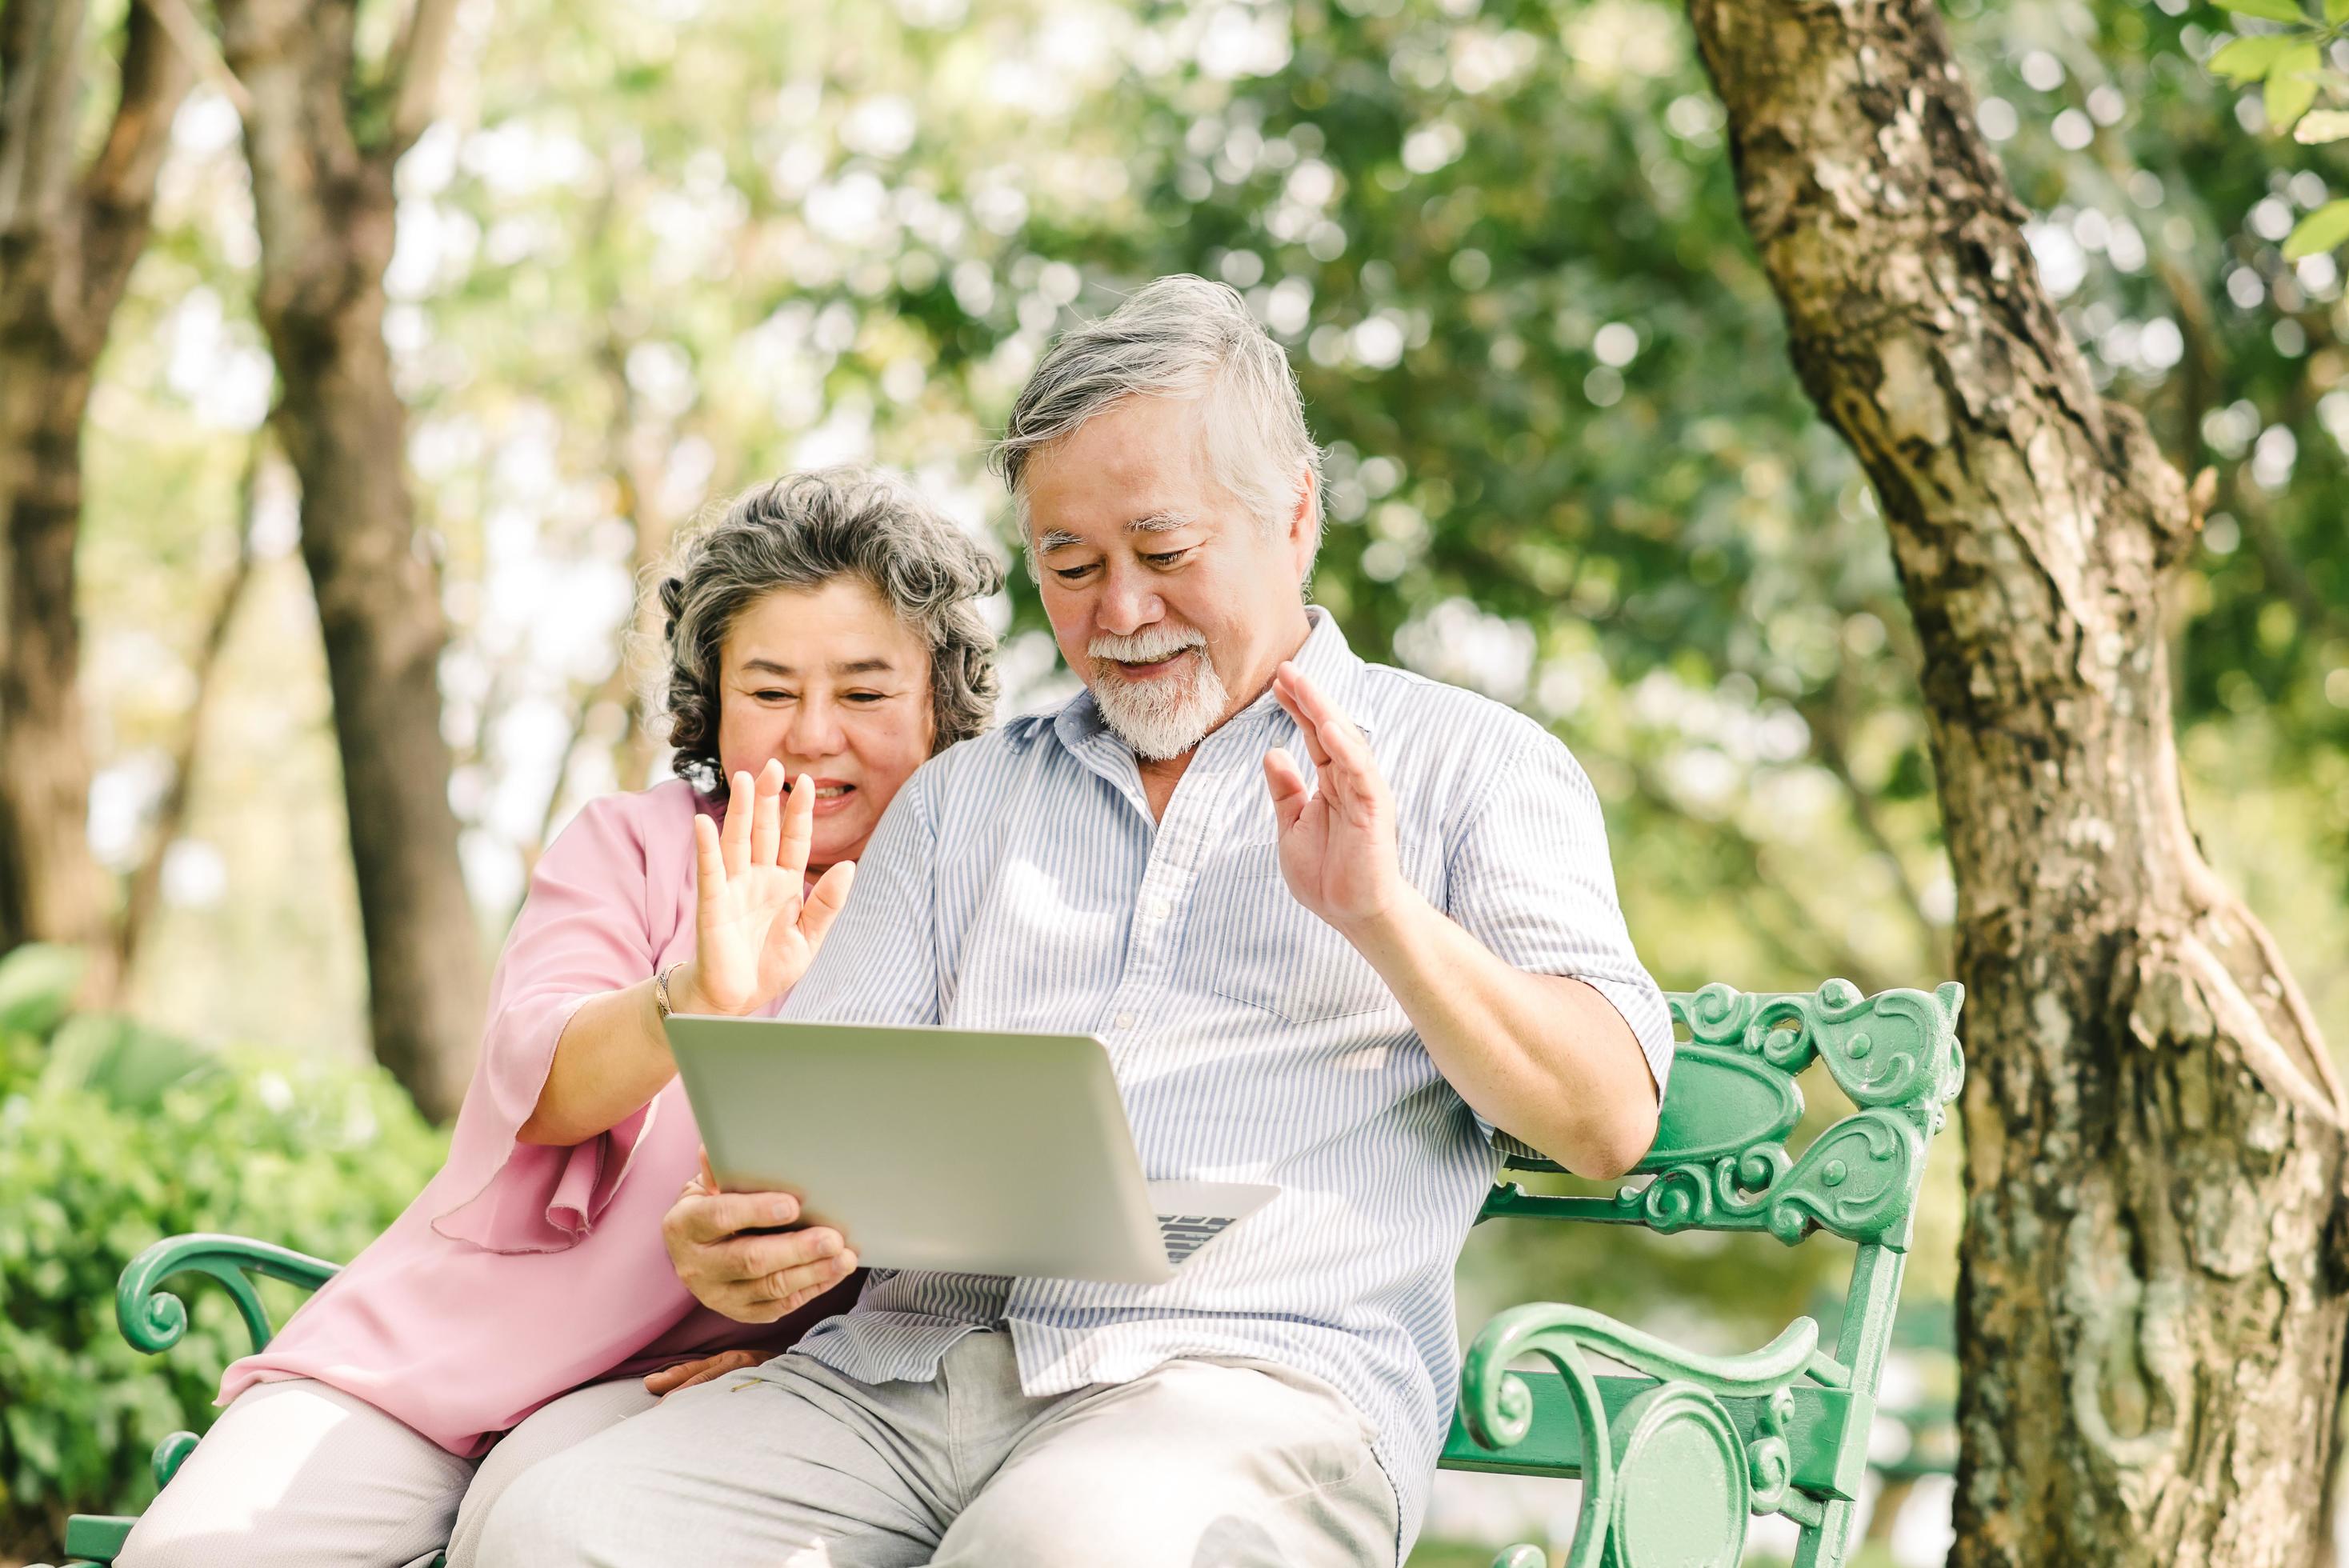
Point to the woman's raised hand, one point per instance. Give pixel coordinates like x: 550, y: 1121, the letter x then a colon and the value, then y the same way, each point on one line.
x: 756, y: 932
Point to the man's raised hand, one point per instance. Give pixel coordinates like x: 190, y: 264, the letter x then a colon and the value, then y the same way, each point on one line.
x: 756, y: 931
x: 1337, y: 838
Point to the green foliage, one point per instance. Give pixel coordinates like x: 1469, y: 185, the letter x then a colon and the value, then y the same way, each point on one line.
x: 2272, y: 10
x: 111, y: 1137
x: 2320, y: 231
x: 2292, y: 65
x: 2250, y: 59
x: 2319, y: 127
x: 2291, y: 84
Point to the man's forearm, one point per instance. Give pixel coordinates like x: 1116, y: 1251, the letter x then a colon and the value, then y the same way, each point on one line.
x: 1546, y: 1058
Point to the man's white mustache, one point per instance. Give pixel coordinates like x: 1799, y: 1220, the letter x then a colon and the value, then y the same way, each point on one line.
x: 1144, y: 649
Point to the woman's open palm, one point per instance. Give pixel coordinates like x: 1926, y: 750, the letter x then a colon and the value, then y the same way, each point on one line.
x: 756, y: 929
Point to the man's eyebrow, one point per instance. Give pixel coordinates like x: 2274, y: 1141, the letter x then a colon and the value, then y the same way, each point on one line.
x: 1156, y: 523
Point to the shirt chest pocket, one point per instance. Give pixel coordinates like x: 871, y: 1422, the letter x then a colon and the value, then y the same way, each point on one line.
x: 1262, y: 947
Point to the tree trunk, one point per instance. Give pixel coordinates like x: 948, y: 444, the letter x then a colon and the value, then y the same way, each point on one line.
x: 2151, y: 1299
x: 67, y: 242
x: 322, y: 144
x: 51, y: 887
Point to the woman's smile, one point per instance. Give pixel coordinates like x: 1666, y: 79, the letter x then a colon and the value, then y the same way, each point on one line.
x: 832, y: 795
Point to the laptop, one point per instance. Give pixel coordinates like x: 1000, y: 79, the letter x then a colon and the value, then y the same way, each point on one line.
x: 968, y: 1151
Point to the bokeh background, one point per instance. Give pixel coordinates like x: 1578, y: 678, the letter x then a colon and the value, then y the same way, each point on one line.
x: 653, y: 250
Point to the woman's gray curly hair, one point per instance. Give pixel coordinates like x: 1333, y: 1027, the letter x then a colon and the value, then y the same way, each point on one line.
x: 803, y: 531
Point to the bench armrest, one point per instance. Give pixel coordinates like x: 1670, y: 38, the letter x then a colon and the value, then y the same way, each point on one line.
x: 1497, y: 1408
x: 154, y: 1319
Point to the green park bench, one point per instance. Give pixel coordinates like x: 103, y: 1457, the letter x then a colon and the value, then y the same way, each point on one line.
x: 1674, y: 1460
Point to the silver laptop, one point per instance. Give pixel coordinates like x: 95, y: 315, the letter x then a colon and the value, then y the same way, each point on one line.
x: 964, y: 1151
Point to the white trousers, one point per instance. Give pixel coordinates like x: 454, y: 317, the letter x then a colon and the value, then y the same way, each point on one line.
x: 296, y: 1474
x: 1196, y: 1464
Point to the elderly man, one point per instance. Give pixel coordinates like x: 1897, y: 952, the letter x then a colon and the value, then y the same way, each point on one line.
x: 1337, y: 924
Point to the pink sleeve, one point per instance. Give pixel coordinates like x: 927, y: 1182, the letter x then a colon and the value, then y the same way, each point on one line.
x: 582, y: 931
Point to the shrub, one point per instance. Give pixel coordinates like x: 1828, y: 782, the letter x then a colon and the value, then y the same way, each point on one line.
x: 113, y: 1136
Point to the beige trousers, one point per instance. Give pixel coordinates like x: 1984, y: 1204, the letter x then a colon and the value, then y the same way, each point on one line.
x: 1198, y: 1464
x: 296, y: 1474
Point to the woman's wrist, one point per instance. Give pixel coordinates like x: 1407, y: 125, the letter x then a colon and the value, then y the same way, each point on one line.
x: 684, y: 989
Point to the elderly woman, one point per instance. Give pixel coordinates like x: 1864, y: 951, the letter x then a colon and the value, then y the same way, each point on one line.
x: 822, y: 639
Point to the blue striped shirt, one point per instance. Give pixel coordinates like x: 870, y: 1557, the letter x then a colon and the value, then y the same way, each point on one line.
x: 1019, y: 882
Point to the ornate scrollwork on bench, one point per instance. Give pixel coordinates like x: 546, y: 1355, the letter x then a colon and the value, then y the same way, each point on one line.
x: 1895, y: 1048
x: 1667, y: 1474
x: 154, y: 1319
x: 1720, y: 1160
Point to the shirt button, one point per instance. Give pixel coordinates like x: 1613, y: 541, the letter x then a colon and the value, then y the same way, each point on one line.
x: 1124, y: 1020
x: 1160, y: 909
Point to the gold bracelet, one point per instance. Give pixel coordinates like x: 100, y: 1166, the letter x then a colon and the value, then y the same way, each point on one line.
x: 660, y: 988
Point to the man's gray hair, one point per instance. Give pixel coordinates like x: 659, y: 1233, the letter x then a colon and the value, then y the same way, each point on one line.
x: 1185, y: 338
x: 805, y: 531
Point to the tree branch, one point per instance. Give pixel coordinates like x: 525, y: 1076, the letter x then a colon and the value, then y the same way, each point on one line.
x: 201, y: 50
x: 119, y: 190
x: 41, y: 49
x: 416, y: 65
x: 1829, y: 736
x: 2197, y: 324
x: 2206, y: 363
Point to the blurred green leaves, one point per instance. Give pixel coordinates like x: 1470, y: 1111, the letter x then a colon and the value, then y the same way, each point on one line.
x: 36, y: 985
x: 2246, y: 60
x: 2292, y: 83
x: 113, y: 1136
x: 2293, y: 66
x: 2322, y: 230
x: 2271, y: 10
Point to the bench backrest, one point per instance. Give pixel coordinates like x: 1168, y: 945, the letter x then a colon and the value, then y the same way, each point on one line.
x: 1721, y: 1160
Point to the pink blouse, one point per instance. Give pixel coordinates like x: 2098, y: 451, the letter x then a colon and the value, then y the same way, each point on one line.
x: 523, y: 1271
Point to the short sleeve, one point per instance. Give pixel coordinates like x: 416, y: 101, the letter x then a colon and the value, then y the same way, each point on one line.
x: 1529, y: 877
x: 879, y: 962
x: 584, y: 930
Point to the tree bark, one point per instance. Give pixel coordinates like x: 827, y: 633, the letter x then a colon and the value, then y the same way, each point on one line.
x: 322, y: 143
x: 2151, y: 1296
x: 68, y: 239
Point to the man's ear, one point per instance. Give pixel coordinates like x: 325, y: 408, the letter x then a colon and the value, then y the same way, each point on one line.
x: 1304, y: 522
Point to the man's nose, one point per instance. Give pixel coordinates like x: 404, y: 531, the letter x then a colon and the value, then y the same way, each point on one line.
x: 1128, y: 603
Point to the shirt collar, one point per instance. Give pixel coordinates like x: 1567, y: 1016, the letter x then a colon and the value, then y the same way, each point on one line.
x: 1324, y: 657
